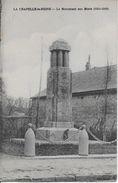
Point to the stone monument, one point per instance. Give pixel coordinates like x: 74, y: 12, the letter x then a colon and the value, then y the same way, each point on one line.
x: 59, y: 94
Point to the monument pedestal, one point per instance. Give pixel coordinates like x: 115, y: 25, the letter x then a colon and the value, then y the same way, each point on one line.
x: 56, y: 134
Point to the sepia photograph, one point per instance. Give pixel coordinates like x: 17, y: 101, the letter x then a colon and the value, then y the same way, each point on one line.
x: 58, y: 91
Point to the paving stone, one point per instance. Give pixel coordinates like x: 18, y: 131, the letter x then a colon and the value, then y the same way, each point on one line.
x: 65, y: 179
x: 85, y: 178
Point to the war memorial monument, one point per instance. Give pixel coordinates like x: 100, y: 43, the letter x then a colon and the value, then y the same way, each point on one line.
x: 59, y: 94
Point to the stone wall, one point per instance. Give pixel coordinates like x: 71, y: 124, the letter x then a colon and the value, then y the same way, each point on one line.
x: 88, y: 109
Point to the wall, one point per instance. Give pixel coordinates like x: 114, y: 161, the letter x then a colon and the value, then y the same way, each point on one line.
x: 89, y: 109
x: 42, y: 111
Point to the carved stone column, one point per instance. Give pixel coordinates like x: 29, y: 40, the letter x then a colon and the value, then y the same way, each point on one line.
x: 66, y: 59
x: 60, y: 58
x: 53, y: 58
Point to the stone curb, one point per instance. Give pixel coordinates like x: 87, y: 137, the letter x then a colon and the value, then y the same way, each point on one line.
x: 73, y: 178
x: 96, y: 156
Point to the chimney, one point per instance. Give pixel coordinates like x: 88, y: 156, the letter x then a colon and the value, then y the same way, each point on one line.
x: 88, y: 65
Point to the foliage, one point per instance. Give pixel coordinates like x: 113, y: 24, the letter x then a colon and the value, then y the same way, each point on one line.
x: 14, y: 127
x: 11, y: 105
x: 110, y: 134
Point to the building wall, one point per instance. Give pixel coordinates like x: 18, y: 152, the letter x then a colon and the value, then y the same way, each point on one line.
x: 89, y: 109
x: 42, y: 111
x: 85, y: 109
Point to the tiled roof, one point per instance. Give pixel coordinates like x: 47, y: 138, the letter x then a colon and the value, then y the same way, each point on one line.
x: 92, y: 80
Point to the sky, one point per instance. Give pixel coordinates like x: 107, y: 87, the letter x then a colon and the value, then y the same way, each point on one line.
x: 24, y: 33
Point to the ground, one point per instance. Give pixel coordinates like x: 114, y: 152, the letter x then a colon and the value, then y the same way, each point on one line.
x: 57, y: 168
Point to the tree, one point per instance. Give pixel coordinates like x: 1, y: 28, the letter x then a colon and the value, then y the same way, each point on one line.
x: 100, y: 127
x: 1, y: 123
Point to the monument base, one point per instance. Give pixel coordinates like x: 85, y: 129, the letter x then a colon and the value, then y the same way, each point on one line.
x: 57, y: 134
x: 15, y: 146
